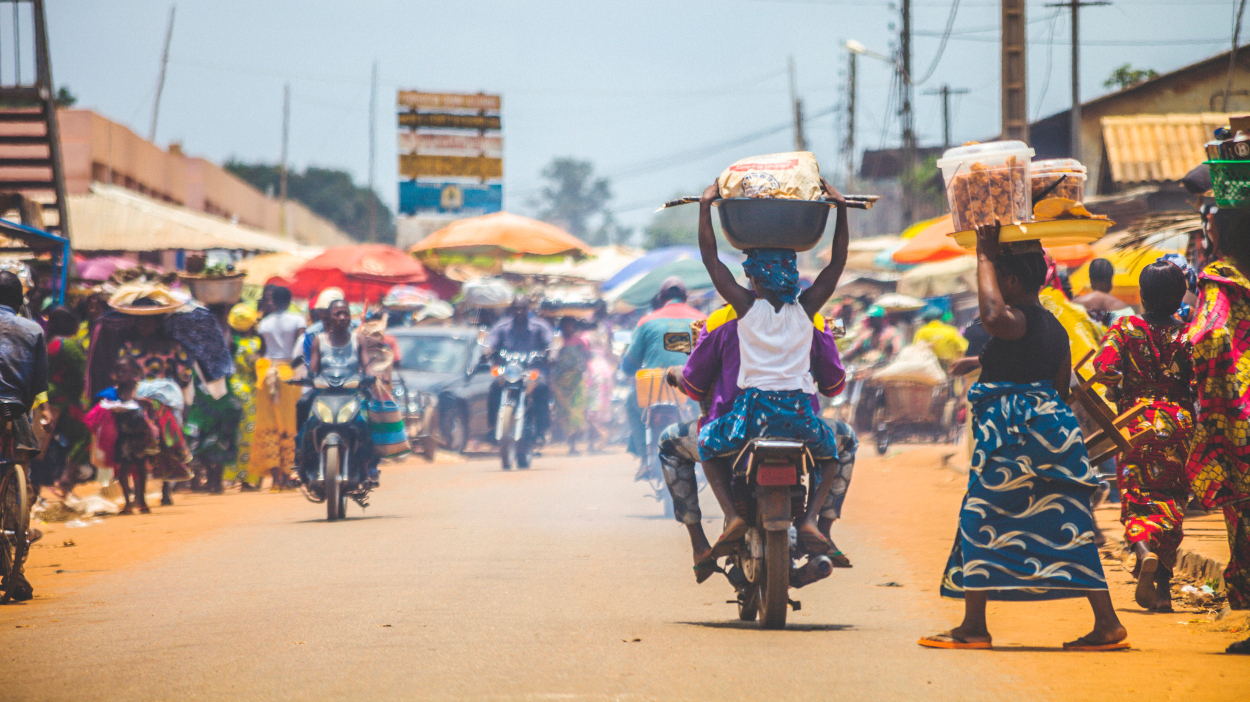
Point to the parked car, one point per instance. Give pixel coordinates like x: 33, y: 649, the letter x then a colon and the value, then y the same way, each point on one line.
x: 444, y: 385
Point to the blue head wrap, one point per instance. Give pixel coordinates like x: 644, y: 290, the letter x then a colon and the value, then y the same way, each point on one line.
x: 1191, y: 277
x: 776, y: 270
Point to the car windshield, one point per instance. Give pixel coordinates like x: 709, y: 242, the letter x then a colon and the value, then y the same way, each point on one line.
x: 433, y: 354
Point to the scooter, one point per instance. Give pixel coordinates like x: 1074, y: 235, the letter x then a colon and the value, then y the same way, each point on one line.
x: 335, y: 429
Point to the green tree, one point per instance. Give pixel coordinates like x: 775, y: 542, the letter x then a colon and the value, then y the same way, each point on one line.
x: 925, y: 183
x: 64, y: 98
x: 573, y: 196
x: 328, y: 192
x: 1126, y: 77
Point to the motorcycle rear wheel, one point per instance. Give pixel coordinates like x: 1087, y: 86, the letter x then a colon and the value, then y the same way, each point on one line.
x: 774, y: 600
x: 14, y: 521
x: 332, y: 486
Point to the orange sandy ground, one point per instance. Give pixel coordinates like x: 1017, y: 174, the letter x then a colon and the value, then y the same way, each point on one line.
x: 907, y: 500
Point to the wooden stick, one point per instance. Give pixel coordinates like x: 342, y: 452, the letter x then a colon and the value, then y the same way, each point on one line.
x: 857, y: 202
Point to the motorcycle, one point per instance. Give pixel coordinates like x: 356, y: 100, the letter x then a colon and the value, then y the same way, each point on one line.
x: 771, y: 483
x: 335, y: 428
x: 515, y: 429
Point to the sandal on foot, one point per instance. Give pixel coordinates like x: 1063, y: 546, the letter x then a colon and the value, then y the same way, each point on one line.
x: 1145, y: 595
x: 725, y: 544
x: 815, y: 543
x: 949, y: 640
x: 839, y: 559
x: 704, y: 569
x: 1084, y: 644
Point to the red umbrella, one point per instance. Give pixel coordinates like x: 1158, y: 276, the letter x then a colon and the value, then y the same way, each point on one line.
x: 364, y: 272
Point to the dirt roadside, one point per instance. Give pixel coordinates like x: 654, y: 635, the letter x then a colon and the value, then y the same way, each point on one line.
x: 910, y: 501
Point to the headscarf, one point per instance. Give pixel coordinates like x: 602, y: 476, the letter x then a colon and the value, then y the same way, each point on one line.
x: 1191, y: 277
x: 242, y: 317
x: 776, y: 270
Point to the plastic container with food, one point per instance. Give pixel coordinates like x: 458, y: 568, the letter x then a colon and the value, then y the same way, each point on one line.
x: 1066, y: 175
x: 988, y: 182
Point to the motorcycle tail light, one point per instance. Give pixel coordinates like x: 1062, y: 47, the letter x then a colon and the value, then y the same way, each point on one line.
x: 776, y: 474
x: 533, y: 375
x: 496, y: 371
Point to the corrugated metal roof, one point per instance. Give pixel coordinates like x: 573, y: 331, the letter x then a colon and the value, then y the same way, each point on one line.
x: 112, y: 218
x: 1157, y: 148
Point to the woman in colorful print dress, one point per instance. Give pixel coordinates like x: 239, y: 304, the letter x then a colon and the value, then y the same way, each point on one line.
x: 1219, y: 459
x: 247, y: 348
x: 1026, y: 531
x: 1148, y: 357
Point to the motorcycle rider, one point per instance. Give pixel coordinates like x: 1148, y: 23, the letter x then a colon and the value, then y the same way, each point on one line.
x: 522, y: 332
x: 336, y: 353
x: 710, y: 376
x: 646, y: 349
x: 774, y: 339
x: 23, y: 376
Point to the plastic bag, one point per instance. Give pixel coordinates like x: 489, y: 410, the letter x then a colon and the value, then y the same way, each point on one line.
x: 914, y: 364
x: 793, y: 175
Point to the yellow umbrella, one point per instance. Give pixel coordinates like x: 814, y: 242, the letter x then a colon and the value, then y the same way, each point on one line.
x: 1128, y: 267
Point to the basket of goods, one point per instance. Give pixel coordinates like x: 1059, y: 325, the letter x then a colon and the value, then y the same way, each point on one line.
x: 218, y: 284
x: 773, y: 201
x: 1229, y: 160
x: 145, y: 299
x: 988, y: 182
x: 1058, y: 178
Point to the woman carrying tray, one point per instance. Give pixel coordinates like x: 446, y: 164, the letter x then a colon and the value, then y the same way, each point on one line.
x: 1025, y: 526
x: 775, y: 344
x: 1149, y: 357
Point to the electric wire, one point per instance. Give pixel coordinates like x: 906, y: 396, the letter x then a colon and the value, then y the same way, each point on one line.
x: 946, y: 35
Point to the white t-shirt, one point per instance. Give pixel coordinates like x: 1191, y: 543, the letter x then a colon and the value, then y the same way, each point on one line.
x: 282, y: 333
x: 775, y: 348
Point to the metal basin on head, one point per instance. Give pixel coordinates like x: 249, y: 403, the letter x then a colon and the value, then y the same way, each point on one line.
x: 751, y: 223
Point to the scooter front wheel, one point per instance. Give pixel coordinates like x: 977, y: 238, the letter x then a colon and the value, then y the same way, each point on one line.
x: 507, y: 444
x: 332, y: 485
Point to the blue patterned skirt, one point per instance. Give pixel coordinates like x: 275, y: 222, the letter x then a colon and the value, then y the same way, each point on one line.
x: 755, y: 413
x: 1026, y: 531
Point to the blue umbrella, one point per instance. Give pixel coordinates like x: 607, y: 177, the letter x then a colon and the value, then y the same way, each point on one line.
x: 660, y: 257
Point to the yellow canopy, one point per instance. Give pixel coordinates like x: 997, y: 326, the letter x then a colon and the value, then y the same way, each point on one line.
x: 1128, y: 268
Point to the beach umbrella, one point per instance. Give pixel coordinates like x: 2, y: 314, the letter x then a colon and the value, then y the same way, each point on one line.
x: 364, y: 272
x: 501, y: 235
x: 931, y: 243
x: 104, y: 266
x: 691, y: 272
x: 660, y: 257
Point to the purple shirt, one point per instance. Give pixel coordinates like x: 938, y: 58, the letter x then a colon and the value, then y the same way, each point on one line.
x: 712, y: 370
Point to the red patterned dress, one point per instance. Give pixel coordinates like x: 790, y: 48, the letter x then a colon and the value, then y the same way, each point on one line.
x: 1219, y: 460
x: 1154, y: 363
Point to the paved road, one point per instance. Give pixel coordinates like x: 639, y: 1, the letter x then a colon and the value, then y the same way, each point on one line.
x: 465, y: 582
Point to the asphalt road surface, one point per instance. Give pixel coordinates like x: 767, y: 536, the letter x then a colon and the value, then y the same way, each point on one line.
x: 464, y: 582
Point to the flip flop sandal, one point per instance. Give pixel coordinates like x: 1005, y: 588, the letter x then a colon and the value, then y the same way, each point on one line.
x: 725, y: 544
x: 1145, y: 595
x: 1079, y: 645
x: 949, y: 641
x: 839, y: 560
x: 815, y: 544
x: 1240, y: 647
x: 704, y: 569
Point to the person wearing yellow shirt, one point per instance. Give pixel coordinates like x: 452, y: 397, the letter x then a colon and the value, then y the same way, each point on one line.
x: 948, y: 344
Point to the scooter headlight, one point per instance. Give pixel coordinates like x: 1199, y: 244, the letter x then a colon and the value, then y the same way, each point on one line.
x: 348, y: 412
x: 324, y: 412
x: 512, y: 373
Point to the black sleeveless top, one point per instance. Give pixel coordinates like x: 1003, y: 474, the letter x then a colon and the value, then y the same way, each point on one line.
x: 1038, y: 355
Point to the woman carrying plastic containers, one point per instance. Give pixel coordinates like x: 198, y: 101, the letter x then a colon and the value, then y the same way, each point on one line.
x: 775, y: 345
x: 1025, y: 526
x: 1150, y: 359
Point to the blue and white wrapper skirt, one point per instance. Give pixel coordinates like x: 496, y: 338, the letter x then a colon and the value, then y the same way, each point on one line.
x: 1026, y: 530
x: 755, y: 413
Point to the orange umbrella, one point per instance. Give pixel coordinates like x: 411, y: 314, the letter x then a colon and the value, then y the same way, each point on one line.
x: 1073, y: 256
x: 363, y: 271
x: 931, y: 244
x: 502, y: 233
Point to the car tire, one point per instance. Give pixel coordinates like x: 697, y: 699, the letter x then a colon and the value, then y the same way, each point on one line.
x: 454, y: 428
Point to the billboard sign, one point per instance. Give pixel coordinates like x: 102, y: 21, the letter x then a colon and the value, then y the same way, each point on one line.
x: 450, y: 153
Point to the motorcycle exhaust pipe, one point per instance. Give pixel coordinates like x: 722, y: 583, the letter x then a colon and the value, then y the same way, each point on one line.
x: 817, y: 568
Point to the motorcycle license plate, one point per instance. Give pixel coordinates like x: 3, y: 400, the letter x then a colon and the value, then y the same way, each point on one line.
x: 776, y: 474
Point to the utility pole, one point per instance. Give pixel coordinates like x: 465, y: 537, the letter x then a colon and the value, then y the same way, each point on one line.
x: 909, y: 134
x: 849, y: 147
x: 946, y: 92
x: 373, y: 152
x: 800, y: 144
x: 1014, y: 76
x: 286, y: 130
x: 160, y: 81
x: 1074, y: 122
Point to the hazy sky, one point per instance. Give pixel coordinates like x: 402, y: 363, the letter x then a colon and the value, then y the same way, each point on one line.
x: 640, y: 88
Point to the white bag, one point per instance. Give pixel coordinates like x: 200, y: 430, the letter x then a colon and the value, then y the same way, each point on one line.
x: 914, y: 364
x: 793, y: 175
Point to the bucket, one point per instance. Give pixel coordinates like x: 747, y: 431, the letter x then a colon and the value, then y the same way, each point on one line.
x: 225, y: 290
x: 751, y: 223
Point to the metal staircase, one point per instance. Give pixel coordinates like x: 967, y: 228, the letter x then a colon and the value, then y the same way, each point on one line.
x: 32, y: 177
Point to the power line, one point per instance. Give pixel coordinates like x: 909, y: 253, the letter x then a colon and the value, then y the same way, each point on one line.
x: 946, y: 35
